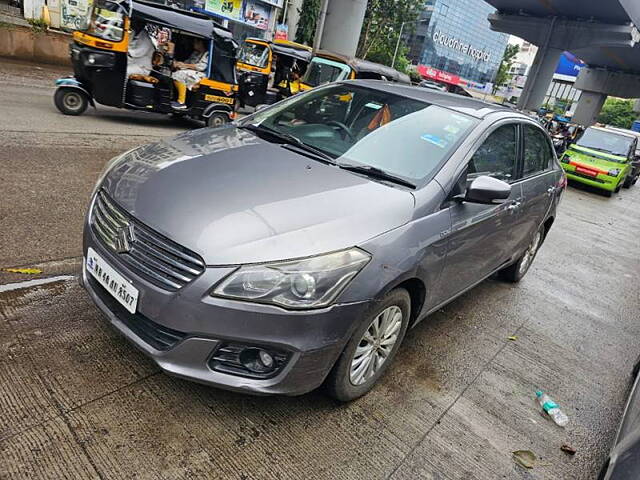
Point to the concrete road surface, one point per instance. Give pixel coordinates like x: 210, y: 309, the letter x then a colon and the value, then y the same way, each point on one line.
x: 77, y: 401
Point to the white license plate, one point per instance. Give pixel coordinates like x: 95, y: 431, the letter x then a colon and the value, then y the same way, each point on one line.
x: 118, y: 286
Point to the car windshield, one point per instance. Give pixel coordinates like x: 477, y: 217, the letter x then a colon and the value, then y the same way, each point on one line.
x: 107, y: 21
x: 254, y: 54
x: 323, y: 71
x: 354, y: 125
x: 605, y: 141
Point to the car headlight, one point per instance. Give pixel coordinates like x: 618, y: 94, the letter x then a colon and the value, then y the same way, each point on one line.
x: 108, y: 167
x: 614, y: 172
x: 307, y: 283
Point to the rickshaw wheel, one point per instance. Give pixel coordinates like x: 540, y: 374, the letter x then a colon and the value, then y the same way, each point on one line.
x: 217, y: 119
x: 70, y: 101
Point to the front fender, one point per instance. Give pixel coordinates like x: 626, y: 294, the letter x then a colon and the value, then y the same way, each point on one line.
x: 75, y: 84
x: 217, y: 107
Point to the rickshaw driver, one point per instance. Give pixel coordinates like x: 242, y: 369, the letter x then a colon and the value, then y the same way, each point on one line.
x: 190, y: 72
x: 140, y: 52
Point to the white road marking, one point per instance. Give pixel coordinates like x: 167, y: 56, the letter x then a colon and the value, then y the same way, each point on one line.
x: 34, y: 283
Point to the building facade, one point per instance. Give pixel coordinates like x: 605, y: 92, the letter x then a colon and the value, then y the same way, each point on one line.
x: 454, y: 37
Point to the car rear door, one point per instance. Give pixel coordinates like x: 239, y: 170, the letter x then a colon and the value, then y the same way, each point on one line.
x: 481, y: 235
x: 538, y: 181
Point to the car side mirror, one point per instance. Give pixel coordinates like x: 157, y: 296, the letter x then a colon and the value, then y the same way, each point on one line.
x: 486, y: 190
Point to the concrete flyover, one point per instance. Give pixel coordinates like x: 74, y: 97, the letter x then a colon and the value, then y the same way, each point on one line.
x: 602, y: 33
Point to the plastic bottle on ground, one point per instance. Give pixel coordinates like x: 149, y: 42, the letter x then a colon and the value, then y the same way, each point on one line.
x: 552, y: 408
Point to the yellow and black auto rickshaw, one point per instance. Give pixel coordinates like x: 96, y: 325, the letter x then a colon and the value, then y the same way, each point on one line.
x: 280, y: 62
x: 99, y: 58
x: 326, y: 67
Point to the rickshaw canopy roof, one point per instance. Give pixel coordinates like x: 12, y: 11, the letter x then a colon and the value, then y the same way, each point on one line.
x: 365, y: 66
x: 286, y: 47
x: 295, y: 50
x: 189, y: 22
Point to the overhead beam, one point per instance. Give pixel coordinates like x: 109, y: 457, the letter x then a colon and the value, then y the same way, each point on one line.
x: 615, y: 84
x: 567, y: 34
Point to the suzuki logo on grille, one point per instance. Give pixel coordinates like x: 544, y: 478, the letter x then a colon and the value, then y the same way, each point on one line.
x: 124, y: 239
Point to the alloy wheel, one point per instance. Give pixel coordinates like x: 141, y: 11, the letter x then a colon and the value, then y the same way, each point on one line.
x: 375, y: 345
x: 530, y: 253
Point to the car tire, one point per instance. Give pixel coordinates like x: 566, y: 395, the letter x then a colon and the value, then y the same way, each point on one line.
x: 70, y: 101
x: 628, y: 181
x: 618, y: 187
x: 516, y: 271
x: 357, y: 369
x: 217, y: 119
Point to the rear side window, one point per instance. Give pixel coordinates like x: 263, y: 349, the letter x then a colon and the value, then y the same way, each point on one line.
x: 496, y: 157
x: 537, y: 151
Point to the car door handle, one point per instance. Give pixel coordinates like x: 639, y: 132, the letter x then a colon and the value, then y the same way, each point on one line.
x: 550, y: 190
x: 513, y: 206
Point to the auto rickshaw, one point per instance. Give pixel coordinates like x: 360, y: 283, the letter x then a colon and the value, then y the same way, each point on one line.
x: 328, y: 67
x: 258, y: 59
x: 99, y: 58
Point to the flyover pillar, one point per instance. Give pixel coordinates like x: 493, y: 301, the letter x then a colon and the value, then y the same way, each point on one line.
x: 293, y: 17
x: 540, y: 77
x: 342, y: 26
x: 589, y: 106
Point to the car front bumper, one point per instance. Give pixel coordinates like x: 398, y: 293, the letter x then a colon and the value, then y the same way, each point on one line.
x: 604, y: 182
x: 180, y: 331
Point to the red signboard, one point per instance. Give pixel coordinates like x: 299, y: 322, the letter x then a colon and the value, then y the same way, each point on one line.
x: 440, y: 75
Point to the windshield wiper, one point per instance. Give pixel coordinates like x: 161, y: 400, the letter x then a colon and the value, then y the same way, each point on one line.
x: 292, y: 140
x: 376, y: 173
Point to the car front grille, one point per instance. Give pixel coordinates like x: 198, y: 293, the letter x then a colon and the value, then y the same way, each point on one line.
x: 150, y: 255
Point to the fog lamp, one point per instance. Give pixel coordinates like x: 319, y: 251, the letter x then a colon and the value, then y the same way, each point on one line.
x: 256, y: 360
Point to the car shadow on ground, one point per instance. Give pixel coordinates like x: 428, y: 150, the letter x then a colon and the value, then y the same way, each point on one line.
x: 583, y: 187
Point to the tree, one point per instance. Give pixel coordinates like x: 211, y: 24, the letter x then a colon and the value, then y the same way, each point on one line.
x: 309, y: 12
x: 381, y: 27
x: 415, y: 76
x: 384, y: 55
x: 617, y: 112
x: 503, y: 76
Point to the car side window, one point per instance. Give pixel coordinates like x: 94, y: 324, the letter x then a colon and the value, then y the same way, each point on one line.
x: 496, y: 157
x: 537, y: 151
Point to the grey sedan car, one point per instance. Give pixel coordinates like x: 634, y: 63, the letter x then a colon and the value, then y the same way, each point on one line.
x: 623, y: 462
x: 295, y: 247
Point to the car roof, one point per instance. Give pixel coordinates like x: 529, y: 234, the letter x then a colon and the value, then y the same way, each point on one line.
x: 470, y: 106
x: 614, y: 130
x: 623, y: 131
